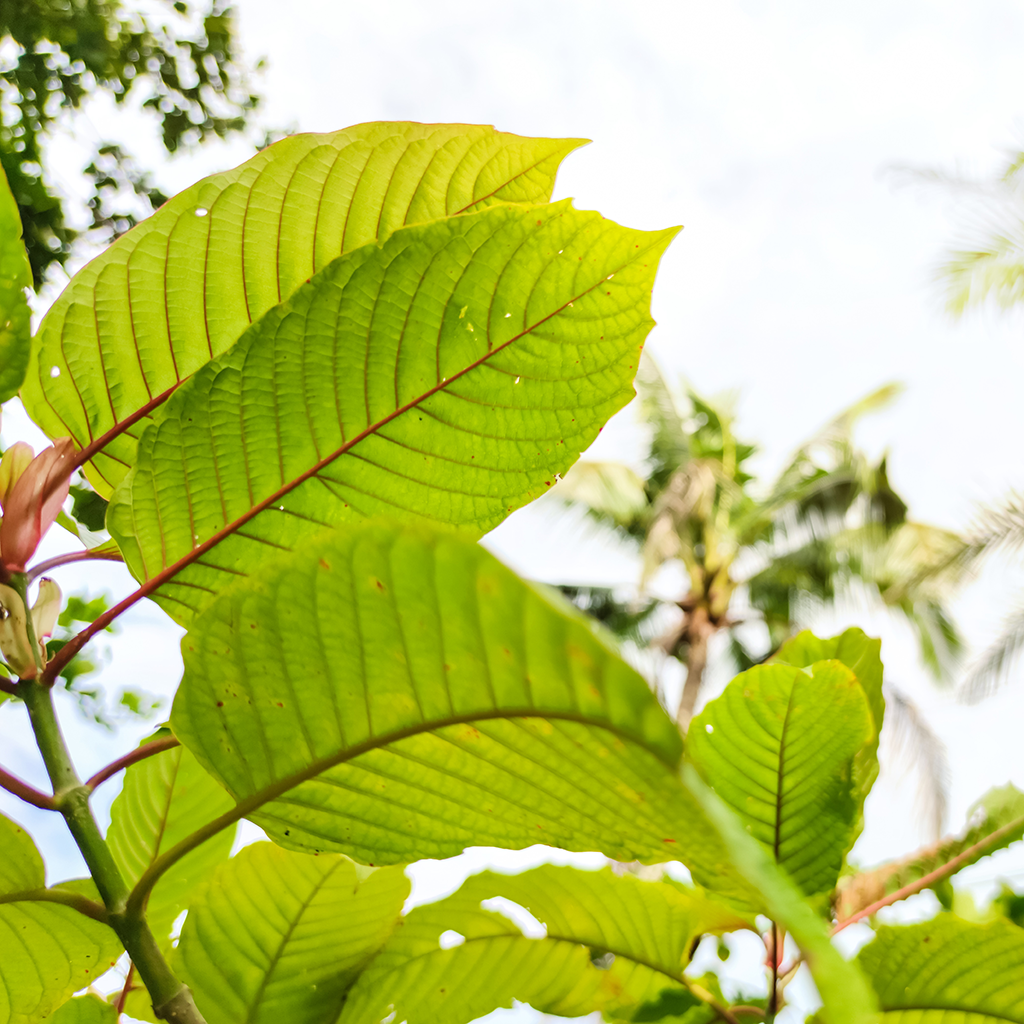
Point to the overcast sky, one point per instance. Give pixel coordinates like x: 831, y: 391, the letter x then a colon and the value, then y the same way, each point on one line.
x: 803, y: 278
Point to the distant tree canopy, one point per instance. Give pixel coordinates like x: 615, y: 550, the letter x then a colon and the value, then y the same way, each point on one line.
x: 181, y: 57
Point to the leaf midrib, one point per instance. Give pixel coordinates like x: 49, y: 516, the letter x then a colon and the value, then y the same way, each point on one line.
x: 254, y: 802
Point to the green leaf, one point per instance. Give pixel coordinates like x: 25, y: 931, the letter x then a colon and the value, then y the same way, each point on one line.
x: 85, y: 1010
x: 48, y: 950
x: 947, y: 970
x: 640, y: 934
x: 449, y: 374
x: 182, y: 287
x: 1000, y: 810
x: 279, y: 936
x: 845, y: 994
x: 165, y: 798
x: 21, y: 866
x: 396, y: 693
x: 778, y: 746
x: 863, y: 656
x: 15, y: 277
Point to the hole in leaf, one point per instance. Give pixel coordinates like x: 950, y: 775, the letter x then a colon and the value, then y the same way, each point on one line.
x: 709, y: 727
x: 201, y: 211
x: 450, y: 939
x: 518, y: 915
x: 54, y: 371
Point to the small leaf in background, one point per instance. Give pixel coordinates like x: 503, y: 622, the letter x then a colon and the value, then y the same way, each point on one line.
x: 947, y: 969
x: 778, y: 747
x: 15, y: 315
x: 89, y: 508
x: 594, y: 941
x: 165, y: 798
x: 279, y: 937
x: 87, y: 1009
x: 1000, y: 810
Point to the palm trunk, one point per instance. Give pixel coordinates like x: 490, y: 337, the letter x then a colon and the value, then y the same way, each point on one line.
x: 699, y: 630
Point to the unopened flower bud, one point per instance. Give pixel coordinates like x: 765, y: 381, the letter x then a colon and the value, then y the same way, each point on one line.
x: 14, y: 642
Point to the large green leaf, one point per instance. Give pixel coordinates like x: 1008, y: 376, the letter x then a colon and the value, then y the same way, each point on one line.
x: 451, y: 374
x: 165, y: 798
x: 778, y: 747
x: 863, y: 656
x: 648, y: 928
x: 279, y: 936
x: 47, y: 950
x: 946, y: 970
x: 181, y: 287
x: 845, y: 994
x: 395, y: 693
x: 993, y: 823
x: 15, y: 277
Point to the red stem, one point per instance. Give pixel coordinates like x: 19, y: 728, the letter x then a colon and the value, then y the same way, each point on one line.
x: 947, y: 869
x: 28, y: 793
x: 123, y: 997
x: 75, y: 556
x: 119, y: 428
x: 138, y: 754
x: 8, y: 687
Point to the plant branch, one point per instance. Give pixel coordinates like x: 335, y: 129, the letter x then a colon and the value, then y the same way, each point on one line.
x: 25, y: 792
x: 84, y: 905
x: 74, y: 556
x: 126, y: 988
x: 703, y: 994
x: 172, y: 1000
x: 8, y: 687
x: 926, y: 881
x: 138, y: 754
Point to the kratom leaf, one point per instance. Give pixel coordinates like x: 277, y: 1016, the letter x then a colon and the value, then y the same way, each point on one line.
x: 47, y: 951
x: 646, y: 929
x: 21, y: 866
x: 777, y: 746
x: 862, y: 655
x: 181, y: 287
x: 845, y: 994
x: 1000, y: 810
x: 87, y: 1009
x: 396, y: 693
x: 279, y: 936
x: 946, y: 970
x: 15, y: 277
x: 449, y: 374
x: 165, y: 798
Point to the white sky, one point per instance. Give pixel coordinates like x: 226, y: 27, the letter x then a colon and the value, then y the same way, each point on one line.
x: 803, y: 277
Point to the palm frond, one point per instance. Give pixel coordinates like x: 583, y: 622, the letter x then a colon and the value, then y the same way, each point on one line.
x: 992, y: 670
x: 609, y: 492
x: 991, y: 269
x: 660, y: 409
x: 1001, y: 527
x: 627, y: 619
x: 914, y: 743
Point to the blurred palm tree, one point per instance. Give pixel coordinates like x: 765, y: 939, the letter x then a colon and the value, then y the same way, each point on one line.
x: 830, y: 521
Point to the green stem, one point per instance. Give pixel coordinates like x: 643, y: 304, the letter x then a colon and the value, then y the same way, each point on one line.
x: 172, y: 1000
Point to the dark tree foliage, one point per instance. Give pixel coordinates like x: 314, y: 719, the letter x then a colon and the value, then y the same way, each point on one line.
x: 55, y: 54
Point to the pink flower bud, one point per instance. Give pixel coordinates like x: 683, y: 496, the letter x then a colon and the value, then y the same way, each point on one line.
x: 34, y: 502
x: 14, y: 462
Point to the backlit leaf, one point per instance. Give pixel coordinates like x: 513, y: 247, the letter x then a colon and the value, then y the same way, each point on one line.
x: 395, y: 693
x: 165, y: 798
x: 449, y: 374
x: 777, y: 746
x: 181, y: 287
x: 946, y: 970
x: 457, y: 959
x: 15, y: 277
